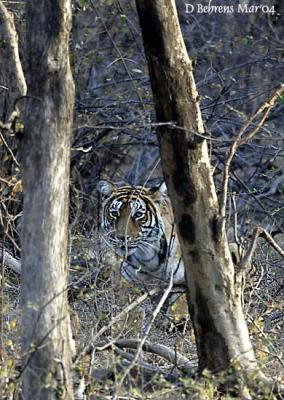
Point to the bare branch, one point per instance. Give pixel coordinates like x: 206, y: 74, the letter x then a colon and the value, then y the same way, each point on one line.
x: 265, y: 108
x: 274, y: 187
x: 10, y: 151
x: 258, y: 232
x: 9, y: 261
x: 89, y: 347
x: 143, y: 340
x: 180, y: 361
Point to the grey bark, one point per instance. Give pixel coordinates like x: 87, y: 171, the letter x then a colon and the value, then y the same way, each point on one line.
x: 13, y: 84
x: 46, y: 159
x: 215, y: 305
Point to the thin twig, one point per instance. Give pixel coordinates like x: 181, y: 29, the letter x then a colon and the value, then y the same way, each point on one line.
x: 9, y: 150
x: 273, y: 188
x: 121, y: 58
x: 258, y: 232
x: 89, y: 347
x: 265, y: 108
x: 235, y: 216
x: 143, y: 340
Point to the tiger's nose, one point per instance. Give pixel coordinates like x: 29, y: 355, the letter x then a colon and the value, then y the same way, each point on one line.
x: 123, y: 238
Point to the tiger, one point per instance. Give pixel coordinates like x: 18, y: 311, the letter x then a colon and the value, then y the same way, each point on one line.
x: 138, y: 225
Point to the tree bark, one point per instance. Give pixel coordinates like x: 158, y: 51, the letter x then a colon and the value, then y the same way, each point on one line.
x: 11, y: 72
x: 46, y: 161
x: 214, y: 301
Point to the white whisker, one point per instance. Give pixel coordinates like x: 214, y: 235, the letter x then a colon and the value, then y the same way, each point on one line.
x: 151, y: 245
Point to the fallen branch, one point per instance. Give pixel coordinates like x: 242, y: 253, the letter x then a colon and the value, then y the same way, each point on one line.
x: 104, y: 374
x: 142, y: 369
x: 10, y: 261
x: 143, y: 340
x: 90, y: 346
x: 178, y: 360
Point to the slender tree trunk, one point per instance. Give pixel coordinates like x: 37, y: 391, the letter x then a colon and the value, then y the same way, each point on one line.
x: 46, y: 159
x: 12, y: 86
x: 214, y: 301
x: 11, y: 72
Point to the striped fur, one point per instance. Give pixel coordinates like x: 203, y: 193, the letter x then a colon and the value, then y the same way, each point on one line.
x: 138, y: 226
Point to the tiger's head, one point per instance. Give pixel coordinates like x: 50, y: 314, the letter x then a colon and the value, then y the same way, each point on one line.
x: 130, y: 216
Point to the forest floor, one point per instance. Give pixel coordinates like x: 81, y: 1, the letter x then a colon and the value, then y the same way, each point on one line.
x: 101, y: 296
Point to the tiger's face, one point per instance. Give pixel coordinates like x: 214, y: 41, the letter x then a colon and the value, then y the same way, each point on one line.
x: 130, y: 216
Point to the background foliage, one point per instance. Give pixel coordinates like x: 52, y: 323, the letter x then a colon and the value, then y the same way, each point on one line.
x: 238, y: 63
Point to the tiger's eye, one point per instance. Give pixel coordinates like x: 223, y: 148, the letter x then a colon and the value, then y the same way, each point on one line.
x: 114, y: 214
x: 138, y: 214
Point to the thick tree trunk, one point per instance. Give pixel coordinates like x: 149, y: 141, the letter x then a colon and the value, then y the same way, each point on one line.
x: 46, y: 159
x: 214, y: 301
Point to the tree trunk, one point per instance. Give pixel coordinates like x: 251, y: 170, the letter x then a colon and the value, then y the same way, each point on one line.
x: 46, y: 159
x: 214, y: 301
x: 11, y: 72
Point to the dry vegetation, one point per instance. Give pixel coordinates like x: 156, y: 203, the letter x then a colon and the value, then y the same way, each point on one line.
x: 238, y: 64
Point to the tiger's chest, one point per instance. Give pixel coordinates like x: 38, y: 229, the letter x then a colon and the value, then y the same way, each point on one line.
x: 155, y: 263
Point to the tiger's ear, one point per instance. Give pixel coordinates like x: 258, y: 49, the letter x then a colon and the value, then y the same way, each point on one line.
x: 106, y: 188
x: 159, y: 192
